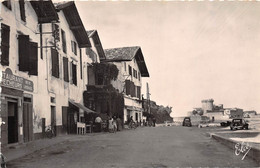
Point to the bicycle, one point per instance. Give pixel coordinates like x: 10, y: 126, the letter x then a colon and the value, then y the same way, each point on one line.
x: 49, y: 132
x: 132, y: 125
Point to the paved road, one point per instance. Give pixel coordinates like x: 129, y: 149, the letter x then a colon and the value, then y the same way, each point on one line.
x: 143, y: 147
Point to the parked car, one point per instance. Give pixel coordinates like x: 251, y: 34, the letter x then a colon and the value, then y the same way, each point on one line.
x: 186, y: 122
x: 238, y: 124
x: 225, y: 124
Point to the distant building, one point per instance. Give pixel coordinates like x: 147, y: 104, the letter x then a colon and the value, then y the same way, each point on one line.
x: 249, y: 114
x: 234, y: 112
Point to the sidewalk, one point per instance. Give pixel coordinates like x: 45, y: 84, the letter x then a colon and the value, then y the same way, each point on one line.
x: 235, y: 138
x: 20, y: 150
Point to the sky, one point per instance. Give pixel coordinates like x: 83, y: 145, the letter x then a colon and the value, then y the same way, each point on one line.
x: 193, y: 50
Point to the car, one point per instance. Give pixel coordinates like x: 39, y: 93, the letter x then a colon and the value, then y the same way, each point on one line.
x: 225, y: 124
x: 238, y: 124
x: 186, y: 122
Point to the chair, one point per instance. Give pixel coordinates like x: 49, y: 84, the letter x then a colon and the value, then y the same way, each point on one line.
x: 81, y: 128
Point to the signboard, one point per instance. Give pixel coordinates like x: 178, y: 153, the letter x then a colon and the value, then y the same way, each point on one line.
x: 16, y: 82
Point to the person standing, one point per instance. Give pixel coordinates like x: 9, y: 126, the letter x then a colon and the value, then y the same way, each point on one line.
x: 154, y: 121
x: 98, y: 122
x: 119, y: 124
x: 110, y: 125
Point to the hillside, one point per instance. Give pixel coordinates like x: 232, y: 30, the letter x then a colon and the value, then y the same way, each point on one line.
x: 160, y: 112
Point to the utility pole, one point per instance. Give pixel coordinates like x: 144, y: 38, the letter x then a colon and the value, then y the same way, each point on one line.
x: 148, y: 98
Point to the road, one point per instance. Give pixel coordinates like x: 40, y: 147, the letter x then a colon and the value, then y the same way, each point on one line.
x: 143, y: 147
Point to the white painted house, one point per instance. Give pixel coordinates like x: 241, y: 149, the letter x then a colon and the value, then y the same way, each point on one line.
x: 44, y: 69
x: 132, y: 67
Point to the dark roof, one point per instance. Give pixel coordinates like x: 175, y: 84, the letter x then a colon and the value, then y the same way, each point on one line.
x: 45, y: 11
x: 76, y: 26
x: 127, y: 54
x: 94, y: 35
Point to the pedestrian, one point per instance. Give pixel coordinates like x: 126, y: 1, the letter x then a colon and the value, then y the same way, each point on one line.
x: 98, y: 122
x: 110, y: 125
x: 119, y: 124
x: 114, y: 124
x: 154, y: 121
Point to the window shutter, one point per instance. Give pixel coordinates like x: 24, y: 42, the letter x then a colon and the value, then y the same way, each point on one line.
x: 74, y: 74
x: 127, y: 87
x: 33, y: 59
x: 5, y: 43
x: 65, y: 69
x: 22, y: 10
x: 138, y: 92
x: 130, y: 70
x: 64, y: 45
x: 55, y: 63
x: 7, y: 3
x: 24, y: 53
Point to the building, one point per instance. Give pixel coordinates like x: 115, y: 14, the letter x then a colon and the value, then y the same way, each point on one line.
x: 131, y: 65
x: 234, y: 112
x: 44, y: 62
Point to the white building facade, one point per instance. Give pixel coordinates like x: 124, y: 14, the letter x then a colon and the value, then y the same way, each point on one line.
x: 131, y: 65
x: 44, y: 69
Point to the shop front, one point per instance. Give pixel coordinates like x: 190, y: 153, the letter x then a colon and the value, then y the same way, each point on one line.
x: 16, y: 109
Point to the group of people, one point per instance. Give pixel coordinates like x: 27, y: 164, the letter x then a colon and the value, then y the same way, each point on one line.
x: 114, y: 124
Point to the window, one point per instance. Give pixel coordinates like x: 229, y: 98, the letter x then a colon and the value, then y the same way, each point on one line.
x: 28, y: 55
x: 135, y: 73
x: 130, y: 70
x: 74, y: 73
x: 125, y: 66
x: 65, y: 69
x: 5, y: 44
x: 138, y: 88
x: 64, y: 45
x: 7, y: 4
x: 22, y: 10
x: 130, y: 88
x: 74, y: 47
x: 139, y: 76
x: 55, y: 62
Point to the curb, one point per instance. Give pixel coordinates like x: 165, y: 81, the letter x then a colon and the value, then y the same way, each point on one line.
x: 254, y: 153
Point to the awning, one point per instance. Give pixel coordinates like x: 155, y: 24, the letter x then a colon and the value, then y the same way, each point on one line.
x: 133, y: 108
x: 87, y: 110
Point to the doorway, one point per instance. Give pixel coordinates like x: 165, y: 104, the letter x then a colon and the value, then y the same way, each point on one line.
x: 27, y: 120
x: 12, y: 122
x: 53, y: 119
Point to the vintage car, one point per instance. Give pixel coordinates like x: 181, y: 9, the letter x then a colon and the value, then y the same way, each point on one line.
x: 186, y: 122
x: 238, y: 124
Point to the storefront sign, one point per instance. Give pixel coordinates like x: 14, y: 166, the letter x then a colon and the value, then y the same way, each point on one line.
x: 16, y: 82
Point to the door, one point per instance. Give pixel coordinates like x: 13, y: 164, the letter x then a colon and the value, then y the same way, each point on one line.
x: 27, y: 122
x: 12, y: 122
x: 53, y: 118
x: 136, y: 117
x: 64, y: 119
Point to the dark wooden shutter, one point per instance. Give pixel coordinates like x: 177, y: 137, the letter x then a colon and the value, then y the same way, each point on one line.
x: 7, y: 3
x: 5, y: 44
x: 130, y: 70
x: 64, y: 45
x: 138, y: 92
x: 24, y: 53
x: 22, y: 10
x: 55, y: 63
x: 133, y: 90
x: 74, y: 74
x: 127, y: 87
x: 33, y: 59
x: 65, y: 69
